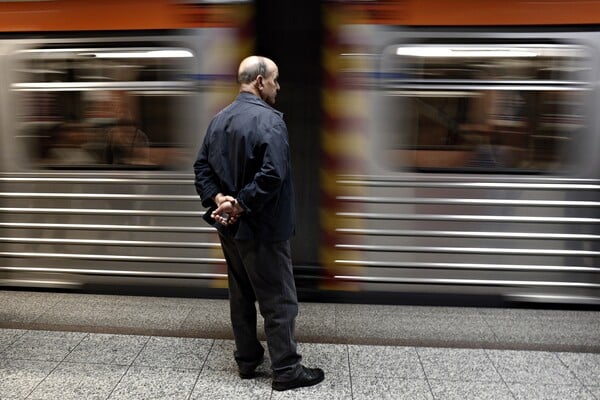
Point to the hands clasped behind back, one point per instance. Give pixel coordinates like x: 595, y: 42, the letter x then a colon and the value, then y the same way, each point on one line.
x: 228, y: 210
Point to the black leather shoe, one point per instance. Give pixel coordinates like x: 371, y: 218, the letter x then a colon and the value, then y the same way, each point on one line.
x: 249, y: 372
x: 308, y: 377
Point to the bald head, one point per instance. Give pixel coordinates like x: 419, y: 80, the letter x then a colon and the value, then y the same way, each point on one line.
x: 259, y: 75
x: 253, y: 66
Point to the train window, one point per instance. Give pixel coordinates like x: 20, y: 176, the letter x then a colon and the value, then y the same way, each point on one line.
x: 103, y: 107
x: 496, y: 108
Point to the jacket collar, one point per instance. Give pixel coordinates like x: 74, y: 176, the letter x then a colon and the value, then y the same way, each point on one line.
x: 252, y: 98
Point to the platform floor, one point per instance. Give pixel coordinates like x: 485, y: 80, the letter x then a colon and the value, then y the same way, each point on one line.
x: 81, y: 346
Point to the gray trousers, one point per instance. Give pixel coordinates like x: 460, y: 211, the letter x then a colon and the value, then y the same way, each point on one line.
x: 262, y: 271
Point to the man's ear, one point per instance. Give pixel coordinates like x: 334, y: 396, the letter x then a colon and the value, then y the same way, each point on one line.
x: 259, y: 82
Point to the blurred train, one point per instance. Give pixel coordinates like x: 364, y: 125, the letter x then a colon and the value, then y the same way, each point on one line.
x: 455, y: 152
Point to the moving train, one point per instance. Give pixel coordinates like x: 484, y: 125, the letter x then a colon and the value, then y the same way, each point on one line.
x: 454, y: 154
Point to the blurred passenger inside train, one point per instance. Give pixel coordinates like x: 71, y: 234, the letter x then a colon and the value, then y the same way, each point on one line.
x: 126, y: 144
x: 489, y: 152
x: 72, y: 143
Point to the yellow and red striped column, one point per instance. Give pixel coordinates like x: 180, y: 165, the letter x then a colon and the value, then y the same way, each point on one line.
x: 344, y: 142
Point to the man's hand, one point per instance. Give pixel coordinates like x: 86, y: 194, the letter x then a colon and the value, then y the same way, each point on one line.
x: 228, y: 210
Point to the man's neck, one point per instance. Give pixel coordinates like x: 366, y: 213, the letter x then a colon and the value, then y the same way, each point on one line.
x: 249, y: 89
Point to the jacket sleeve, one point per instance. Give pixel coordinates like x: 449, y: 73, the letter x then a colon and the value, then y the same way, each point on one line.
x: 273, y: 151
x: 205, y: 180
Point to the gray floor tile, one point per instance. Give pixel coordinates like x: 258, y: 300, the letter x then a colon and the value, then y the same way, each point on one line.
x: 153, y: 317
x: 336, y: 386
x: 223, y: 385
x: 119, y: 312
x: 447, y: 331
x: 414, y: 325
x: 44, y: 345
x: 316, y: 322
x: 457, y: 390
x: 221, y: 358
x: 25, y: 307
x: 523, y: 391
x: 380, y: 388
x: 531, y: 367
x: 457, y: 364
x: 331, y: 358
x: 384, y: 361
x: 155, y: 383
x: 174, y: 352
x: 143, y: 301
x: 108, y: 349
x: 585, y: 366
x: 544, y: 327
x: 9, y: 336
x: 72, y: 299
x: 595, y: 390
x: 122, y: 301
x: 209, y: 318
x: 79, y: 381
x: 574, y: 324
x: 354, y: 323
x: 19, y: 377
x: 82, y: 315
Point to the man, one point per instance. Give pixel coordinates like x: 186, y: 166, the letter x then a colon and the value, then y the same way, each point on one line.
x: 243, y: 175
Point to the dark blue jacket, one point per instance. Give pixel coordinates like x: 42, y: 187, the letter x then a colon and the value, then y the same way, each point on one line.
x: 246, y: 154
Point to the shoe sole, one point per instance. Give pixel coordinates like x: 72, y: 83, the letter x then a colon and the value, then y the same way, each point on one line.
x: 282, y: 387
